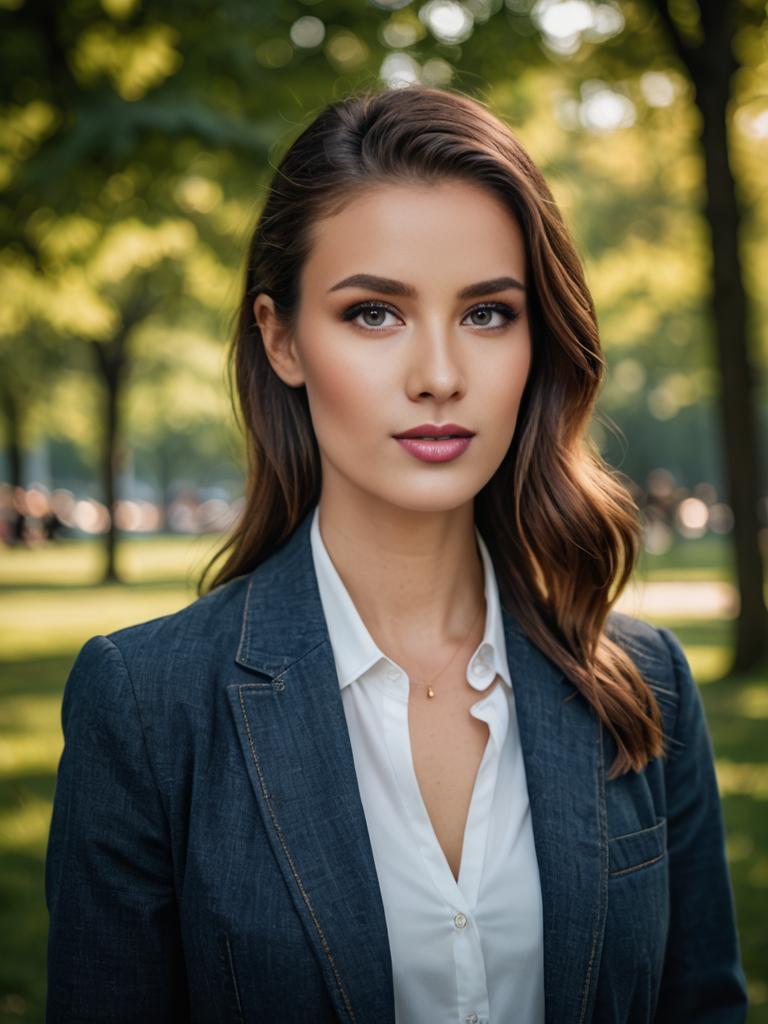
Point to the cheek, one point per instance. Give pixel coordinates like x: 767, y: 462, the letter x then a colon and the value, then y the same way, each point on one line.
x: 341, y: 393
x: 503, y: 380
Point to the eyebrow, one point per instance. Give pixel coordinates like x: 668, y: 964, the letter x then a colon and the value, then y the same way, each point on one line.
x: 389, y: 286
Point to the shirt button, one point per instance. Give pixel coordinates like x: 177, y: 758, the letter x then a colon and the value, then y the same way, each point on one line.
x: 460, y: 920
x: 471, y: 1018
x: 393, y: 674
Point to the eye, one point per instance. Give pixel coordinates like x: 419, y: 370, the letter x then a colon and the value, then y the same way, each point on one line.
x: 374, y: 311
x: 486, y: 311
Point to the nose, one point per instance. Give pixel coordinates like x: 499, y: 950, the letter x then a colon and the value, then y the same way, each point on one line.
x: 435, y: 369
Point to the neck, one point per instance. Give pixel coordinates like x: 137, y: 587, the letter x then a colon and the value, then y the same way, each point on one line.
x: 416, y: 578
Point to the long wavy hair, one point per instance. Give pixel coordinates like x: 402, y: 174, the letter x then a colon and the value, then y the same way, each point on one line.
x: 563, y: 530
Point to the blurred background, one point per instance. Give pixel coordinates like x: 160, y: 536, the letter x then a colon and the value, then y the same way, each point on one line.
x: 136, y: 141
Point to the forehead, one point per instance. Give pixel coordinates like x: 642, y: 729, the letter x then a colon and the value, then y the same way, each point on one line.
x: 445, y: 234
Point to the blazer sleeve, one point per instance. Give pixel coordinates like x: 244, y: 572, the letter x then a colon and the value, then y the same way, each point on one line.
x: 114, y: 945
x: 702, y: 978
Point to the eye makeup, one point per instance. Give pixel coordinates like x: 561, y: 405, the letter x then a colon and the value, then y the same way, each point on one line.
x: 353, y: 311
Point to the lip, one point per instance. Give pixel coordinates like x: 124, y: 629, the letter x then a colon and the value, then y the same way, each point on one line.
x: 435, y: 451
x: 435, y: 430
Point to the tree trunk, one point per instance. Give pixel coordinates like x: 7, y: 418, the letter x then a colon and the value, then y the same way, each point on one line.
x: 737, y: 396
x: 711, y: 65
x: 112, y: 362
x: 164, y: 463
x: 110, y: 359
x: 15, y: 461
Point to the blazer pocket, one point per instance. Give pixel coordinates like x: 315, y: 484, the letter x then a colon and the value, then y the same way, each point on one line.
x: 636, y: 850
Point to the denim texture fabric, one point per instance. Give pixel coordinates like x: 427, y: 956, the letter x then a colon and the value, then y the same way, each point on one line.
x: 208, y: 859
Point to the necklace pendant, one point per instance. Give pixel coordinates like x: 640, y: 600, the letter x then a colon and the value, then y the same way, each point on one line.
x: 430, y: 692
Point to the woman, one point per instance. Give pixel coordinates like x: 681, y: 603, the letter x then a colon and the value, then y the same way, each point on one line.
x: 401, y: 762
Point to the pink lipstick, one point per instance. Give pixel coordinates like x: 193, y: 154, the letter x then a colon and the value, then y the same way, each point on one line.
x: 433, y: 442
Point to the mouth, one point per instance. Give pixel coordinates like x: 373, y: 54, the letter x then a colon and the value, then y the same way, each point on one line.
x: 430, y: 442
x: 434, y: 432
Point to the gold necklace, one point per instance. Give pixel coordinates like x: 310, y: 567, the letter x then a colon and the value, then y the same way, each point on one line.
x: 430, y: 688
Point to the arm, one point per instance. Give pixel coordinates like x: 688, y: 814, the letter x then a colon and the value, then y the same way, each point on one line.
x: 702, y: 980
x: 114, y: 946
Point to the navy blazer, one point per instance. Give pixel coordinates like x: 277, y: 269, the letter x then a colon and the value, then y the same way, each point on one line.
x: 209, y: 861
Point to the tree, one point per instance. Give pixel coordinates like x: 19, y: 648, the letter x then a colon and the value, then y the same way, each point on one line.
x: 706, y: 51
x: 115, y: 104
x: 27, y: 373
x: 97, y: 137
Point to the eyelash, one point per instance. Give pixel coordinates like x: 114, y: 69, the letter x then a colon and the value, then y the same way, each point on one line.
x: 499, y: 307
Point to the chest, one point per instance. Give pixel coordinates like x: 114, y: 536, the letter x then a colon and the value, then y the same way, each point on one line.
x: 447, y: 746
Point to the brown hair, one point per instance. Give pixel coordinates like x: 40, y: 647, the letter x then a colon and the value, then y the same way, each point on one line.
x: 562, y: 529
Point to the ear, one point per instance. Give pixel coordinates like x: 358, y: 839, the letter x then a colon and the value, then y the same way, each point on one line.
x: 279, y: 344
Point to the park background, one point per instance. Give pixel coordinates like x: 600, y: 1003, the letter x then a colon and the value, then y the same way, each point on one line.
x: 136, y: 140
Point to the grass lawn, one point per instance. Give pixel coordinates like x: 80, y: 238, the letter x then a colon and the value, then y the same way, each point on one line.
x: 51, y: 603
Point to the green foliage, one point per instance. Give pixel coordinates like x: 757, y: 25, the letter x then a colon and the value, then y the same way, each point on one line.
x: 137, y: 138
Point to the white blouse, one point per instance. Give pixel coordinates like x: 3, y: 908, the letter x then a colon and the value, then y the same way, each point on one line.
x: 466, y: 952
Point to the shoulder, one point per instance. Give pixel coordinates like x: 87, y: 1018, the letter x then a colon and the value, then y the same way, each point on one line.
x: 212, y: 619
x: 656, y: 650
x: 663, y: 664
x: 180, y: 651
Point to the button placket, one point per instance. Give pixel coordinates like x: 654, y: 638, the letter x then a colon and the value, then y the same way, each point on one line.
x: 471, y: 981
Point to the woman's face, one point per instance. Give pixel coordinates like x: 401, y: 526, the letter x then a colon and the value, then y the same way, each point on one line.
x: 443, y: 337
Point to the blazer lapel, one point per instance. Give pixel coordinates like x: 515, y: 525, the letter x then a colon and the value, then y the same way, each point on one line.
x: 294, y: 736
x: 292, y: 728
x: 561, y: 742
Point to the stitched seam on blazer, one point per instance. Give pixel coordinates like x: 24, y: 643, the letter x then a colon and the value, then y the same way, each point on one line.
x: 281, y: 837
x: 645, y: 863
x: 640, y: 831
x: 603, y: 857
x: 244, y: 634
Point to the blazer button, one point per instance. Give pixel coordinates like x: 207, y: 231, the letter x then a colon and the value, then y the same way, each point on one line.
x: 460, y: 920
